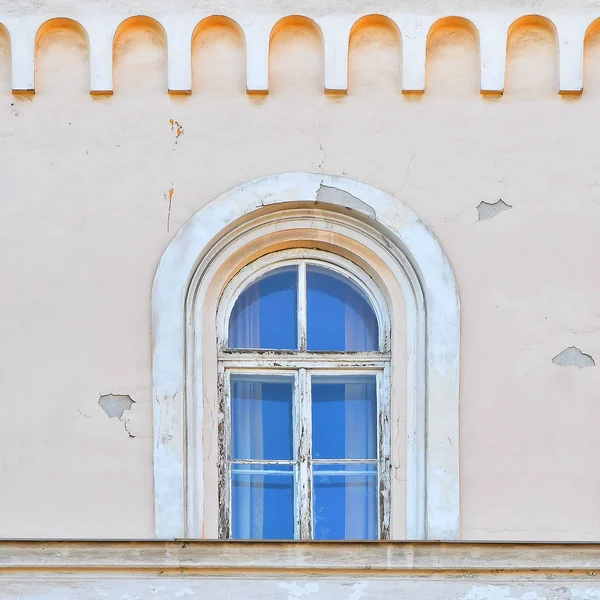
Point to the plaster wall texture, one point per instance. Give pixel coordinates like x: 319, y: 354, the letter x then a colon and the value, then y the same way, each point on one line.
x: 95, y: 187
x: 349, y: 588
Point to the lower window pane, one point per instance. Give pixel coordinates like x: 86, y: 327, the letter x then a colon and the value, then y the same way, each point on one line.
x: 262, y: 499
x: 345, y: 502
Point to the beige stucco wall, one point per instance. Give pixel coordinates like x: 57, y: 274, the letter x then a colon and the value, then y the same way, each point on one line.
x: 87, y: 210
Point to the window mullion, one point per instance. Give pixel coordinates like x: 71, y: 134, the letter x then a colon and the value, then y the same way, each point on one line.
x: 303, y: 431
x: 302, y: 306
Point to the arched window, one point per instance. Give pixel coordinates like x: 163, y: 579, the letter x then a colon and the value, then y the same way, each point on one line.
x: 304, y: 363
x: 278, y: 311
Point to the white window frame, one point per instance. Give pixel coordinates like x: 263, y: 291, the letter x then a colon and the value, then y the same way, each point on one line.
x: 302, y: 364
x: 316, y: 204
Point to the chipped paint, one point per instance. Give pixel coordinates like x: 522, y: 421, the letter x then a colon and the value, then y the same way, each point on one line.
x: 177, y: 127
x: 573, y: 357
x: 298, y: 591
x: 487, y: 210
x: 358, y: 590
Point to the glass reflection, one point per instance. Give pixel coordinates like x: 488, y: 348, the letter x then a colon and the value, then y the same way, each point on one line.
x: 262, y: 502
x: 344, y: 416
x: 264, y: 315
x: 261, y: 417
x: 345, y: 502
x: 340, y: 317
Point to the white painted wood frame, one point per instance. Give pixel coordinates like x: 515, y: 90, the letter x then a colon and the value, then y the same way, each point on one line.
x: 379, y: 222
x: 300, y: 365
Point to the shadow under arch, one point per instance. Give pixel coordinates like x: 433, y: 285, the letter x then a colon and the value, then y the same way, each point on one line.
x: 533, y: 20
x: 61, y: 23
x: 296, y: 21
x: 5, y: 60
x: 380, y: 33
x: 529, y: 30
x: 145, y: 29
x: 57, y: 26
x: 203, y: 30
x: 289, y: 31
x: 451, y: 40
x: 591, y: 47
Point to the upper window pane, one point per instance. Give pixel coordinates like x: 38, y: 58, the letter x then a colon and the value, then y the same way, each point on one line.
x: 344, y: 417
x: 340, y: 317
x: 264, y: 315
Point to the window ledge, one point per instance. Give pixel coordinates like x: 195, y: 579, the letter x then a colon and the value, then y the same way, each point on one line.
x: 274, y: 559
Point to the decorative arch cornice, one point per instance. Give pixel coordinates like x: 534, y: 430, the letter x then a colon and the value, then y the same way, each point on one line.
x: 492, y: 27
x: 433, y: 308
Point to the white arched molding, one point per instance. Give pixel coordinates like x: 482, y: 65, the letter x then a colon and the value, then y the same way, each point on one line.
x: 371, y: 218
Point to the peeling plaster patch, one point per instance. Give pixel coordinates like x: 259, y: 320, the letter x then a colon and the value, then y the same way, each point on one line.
x: 296, y: 591
x: 358, y: 590
x: 177, y: 128
x: 488, y: 592
x: 184, y: 592
x: 573, y: 357
x: 335, y: 195
x: 495, y: 592
x: 586, y: 594
x: 532, y: 596
x: 485, y: 210
x: 114, y: 405
x: 155, y: 590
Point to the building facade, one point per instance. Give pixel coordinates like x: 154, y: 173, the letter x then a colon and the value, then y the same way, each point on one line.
x: 317, y: 273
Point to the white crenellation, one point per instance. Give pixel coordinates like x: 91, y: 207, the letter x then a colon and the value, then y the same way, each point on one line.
x: 257, y: 34
x: 492, y: 27
x: 179, y: 32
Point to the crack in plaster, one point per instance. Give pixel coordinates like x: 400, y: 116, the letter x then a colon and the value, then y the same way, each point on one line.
x: 406, y: 173
x: 322, y: 150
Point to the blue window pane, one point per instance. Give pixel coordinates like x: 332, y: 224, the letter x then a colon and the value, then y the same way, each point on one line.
x: 264, y: 315
x: 340, y: 317
x: 345, y: 502
x: 261, y: 416
x: 262, y: 498
x: 344, y: 417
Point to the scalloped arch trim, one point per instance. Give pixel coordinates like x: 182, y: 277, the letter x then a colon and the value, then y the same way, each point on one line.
x: 492, y: 28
